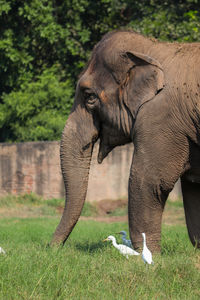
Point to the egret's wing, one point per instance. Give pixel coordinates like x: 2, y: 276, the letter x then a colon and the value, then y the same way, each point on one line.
x: 147, y: 256
x: 129, y: 244
x: 125, y: 250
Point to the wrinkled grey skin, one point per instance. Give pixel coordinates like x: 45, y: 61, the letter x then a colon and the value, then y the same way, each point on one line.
x: 137, y: 90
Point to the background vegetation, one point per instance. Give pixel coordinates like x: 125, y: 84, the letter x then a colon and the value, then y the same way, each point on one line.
x: 44, y: 44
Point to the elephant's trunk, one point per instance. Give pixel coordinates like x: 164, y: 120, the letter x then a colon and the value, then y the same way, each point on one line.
x: 76, y: 152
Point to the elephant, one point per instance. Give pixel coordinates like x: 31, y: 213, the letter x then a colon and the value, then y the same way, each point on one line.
x: 137, y: 90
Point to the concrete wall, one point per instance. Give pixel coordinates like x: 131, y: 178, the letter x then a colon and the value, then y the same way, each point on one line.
x: 31, y: 167
x: 35, y: 167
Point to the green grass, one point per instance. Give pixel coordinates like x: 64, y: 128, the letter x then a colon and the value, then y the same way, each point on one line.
x: 120, y: 211
x: 172, y: 203
x: 36, y: 204
x: 27, y: 199
x: 87, y: 268
x: 89, y: 210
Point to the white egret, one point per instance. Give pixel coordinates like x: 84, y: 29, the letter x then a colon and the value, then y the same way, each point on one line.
x: 123, y: 249
x: 2, y: 251
x: 124, y: 239
x: 146, y: 253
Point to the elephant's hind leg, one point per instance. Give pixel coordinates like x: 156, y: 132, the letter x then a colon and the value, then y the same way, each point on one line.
x: 191, y: 200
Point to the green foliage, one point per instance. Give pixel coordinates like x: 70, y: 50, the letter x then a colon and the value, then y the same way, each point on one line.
x: 45, y: 44
x: 37, y: 111
x: 170, y: 21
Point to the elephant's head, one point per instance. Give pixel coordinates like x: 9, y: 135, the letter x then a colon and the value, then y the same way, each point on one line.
x: 116, y: 82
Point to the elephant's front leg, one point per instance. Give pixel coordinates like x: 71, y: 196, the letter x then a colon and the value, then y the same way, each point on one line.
x: 145, y: 208
x: 153, y: 175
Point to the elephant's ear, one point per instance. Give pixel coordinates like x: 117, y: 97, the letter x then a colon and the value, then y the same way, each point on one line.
x: 144, y: 78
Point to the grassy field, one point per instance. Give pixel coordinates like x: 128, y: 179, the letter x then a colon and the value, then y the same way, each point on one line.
x: 87, y: 268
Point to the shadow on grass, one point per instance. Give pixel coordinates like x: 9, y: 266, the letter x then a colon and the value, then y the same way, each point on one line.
x: 90, y: 247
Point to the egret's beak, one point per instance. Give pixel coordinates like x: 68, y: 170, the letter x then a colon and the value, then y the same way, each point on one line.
x: 105, y: 240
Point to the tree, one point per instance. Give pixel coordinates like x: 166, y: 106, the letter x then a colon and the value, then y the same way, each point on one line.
x: 45, y: 44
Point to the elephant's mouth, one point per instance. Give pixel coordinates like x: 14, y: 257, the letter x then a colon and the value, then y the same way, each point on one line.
x: 109, y: 139
x: 103, y: 151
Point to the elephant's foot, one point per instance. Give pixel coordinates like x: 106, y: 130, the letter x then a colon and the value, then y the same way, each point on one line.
x: 56, y: 242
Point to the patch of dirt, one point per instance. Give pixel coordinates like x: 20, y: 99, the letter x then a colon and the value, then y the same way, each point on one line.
x: 104, y: 208
x: 59, y: 209
x: 107, y: 206
x: 172, y: 215
x: 22, y: 212
x: 106, y: 219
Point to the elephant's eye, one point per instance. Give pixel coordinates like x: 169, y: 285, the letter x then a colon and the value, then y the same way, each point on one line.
x: 90, y: 98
